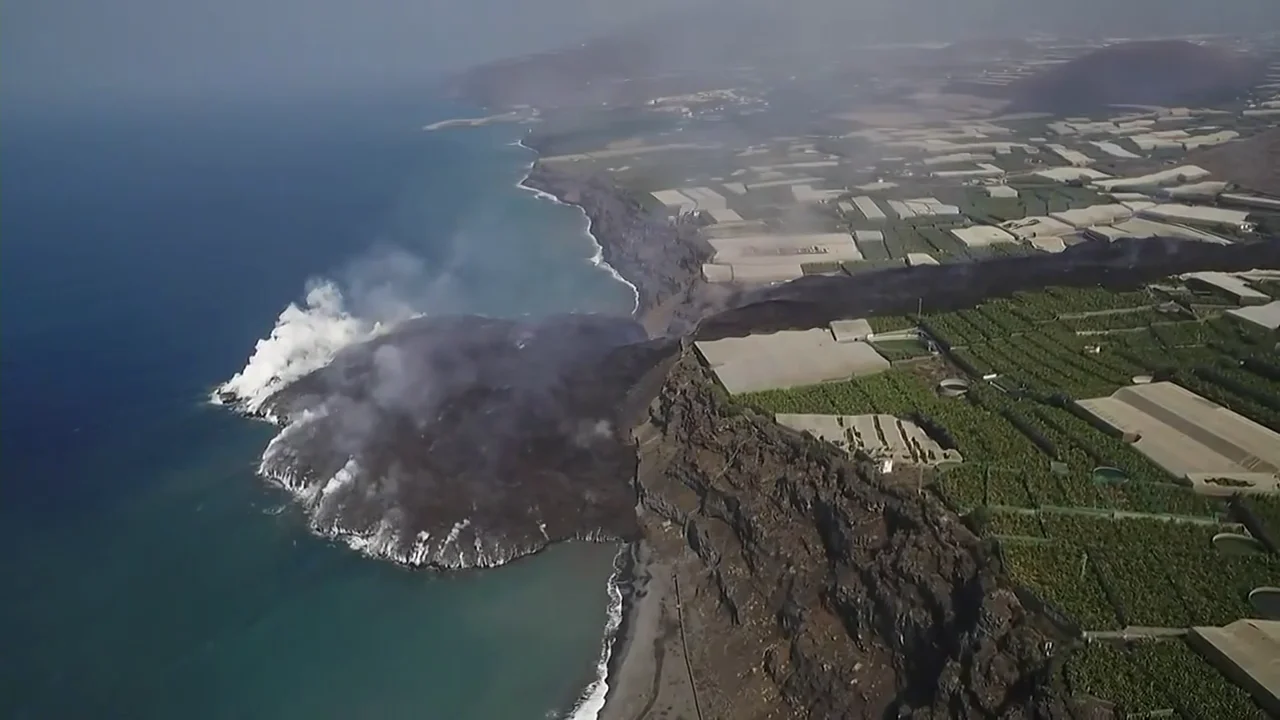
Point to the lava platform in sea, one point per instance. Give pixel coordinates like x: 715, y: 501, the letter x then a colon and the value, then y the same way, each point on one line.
x: 465, y: 441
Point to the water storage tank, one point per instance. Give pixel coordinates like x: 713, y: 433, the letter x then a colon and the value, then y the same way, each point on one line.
x: 953, y: 387
x: 1104, y: 475
x: 1237, y: 544
x: 1266, y: 600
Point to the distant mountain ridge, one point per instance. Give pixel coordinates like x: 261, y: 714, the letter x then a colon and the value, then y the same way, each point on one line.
x: 1154, y: 72
x: 722, y: 36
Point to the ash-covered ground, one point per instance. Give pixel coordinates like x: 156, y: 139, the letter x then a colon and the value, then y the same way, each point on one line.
x: 466, y: 441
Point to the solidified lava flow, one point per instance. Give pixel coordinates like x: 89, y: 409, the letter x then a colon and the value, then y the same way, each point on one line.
x: 467, y: 441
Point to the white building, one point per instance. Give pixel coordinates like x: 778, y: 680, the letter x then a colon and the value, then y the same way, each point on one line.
x: 1173, y: 176
x: 1074, y: 158
x: 1093, y: 215
x: 1214, y: 217
x: 1265, y: 316
x: 1067, y: 174
x: 868, y: 207
x: 982, y: 235
x: 1037, y: 226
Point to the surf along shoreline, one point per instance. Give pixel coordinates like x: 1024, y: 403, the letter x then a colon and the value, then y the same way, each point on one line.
x: 660, y: 259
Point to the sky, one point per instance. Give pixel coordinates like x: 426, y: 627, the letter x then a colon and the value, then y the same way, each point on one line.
x: 58, y: 49
x: 55, y: 50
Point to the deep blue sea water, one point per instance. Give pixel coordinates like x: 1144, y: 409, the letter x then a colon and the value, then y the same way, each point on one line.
x: 147, y: 571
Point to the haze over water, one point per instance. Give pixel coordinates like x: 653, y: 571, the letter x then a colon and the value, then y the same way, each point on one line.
x: 150, y: 573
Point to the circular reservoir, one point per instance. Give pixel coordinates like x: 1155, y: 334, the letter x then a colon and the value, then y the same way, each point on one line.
x: 953, y: 387
x: 1266, y: 600
x: 1104, y: 475
x: 1237, y: 544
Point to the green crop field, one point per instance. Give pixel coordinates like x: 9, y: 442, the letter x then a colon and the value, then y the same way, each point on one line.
x: 1104, y: 551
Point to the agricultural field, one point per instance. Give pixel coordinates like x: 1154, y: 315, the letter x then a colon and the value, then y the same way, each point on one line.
x: 1102, y: 670
x: 1061, y: 576
x: 1198, y: 690
x: 891, y: 323
x: 1094, y: 529
x: 857, y: 267
x: 1152, y: 676
x: 1119, y: 320
x: 1088, y: 342
x: 820, y: 268
x: 1081, y: 522
x: 1162, y: 572
x: 1265, y: 509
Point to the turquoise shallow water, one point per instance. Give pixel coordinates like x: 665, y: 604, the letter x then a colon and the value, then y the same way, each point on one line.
x: 150, y: 573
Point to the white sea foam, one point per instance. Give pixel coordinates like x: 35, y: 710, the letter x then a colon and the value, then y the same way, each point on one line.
x: 305, y: 338
x: 597, y: 258
x: 591, y: 702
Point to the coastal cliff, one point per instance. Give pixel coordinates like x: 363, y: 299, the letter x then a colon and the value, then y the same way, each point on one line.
x: 661, y: 257
x: 812, y: 586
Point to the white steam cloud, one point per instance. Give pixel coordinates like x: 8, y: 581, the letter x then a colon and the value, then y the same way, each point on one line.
x: 378, y: 291
x: 304, y: 339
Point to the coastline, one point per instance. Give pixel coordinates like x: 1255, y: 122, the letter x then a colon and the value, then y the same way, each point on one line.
x: 628, y: 585
x: 592, y: 700
x: 598, y: 258
x: 648, y: 671
x: 660, y: 260
x: 659, y: 257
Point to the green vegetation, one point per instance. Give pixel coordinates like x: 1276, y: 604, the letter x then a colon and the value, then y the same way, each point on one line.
x: 896, y: 350
x: 1265, y: 509
x: 820, y: 268
x: 1047, y: 365
x: 1060, y: 575
x: 1111, y: 321
x: 856, y: 267
x: 1013, y: 525
x: 1198, y: 690
x: 891, y: 323
x: 1164, y: 573
x: 1103, y: 550
x: 1107, y: 671
x: 1156, y: 675
x: 1093, y: 299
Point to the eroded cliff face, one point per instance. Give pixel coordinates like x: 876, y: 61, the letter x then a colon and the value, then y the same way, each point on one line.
x: 662, y: 257
x: 812, y: 587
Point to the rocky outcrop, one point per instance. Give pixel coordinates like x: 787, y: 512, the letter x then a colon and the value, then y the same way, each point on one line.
x: 813, y: 587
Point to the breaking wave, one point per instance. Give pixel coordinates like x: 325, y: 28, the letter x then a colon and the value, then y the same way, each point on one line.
x: 592, y: 699
x: 597, y: 256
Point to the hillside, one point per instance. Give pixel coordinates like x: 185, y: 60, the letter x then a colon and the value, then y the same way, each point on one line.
x: 1169, y: 73
x: 1253, y: 163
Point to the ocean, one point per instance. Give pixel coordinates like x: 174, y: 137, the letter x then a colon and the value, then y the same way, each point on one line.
x: 148, y: 571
